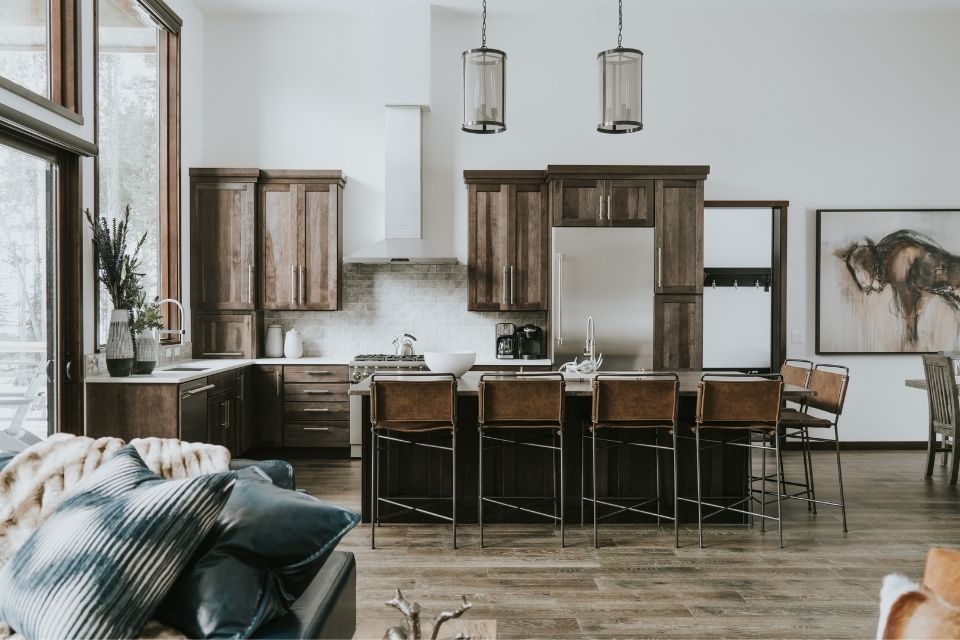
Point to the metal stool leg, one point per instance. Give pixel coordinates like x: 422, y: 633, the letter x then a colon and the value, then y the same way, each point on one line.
x: 699, y: 490
x: 763, y: 483
x: 553, y: 467
x: 453, y: 456
x: 843, y: 503
x: 594, y: 468
x: 656, y: 441
x: 373, y: 489
x: 562, y: 491
x: 480, y: 489
x: 776, y: 440
x: 805, y: 452
x: 676, y: 510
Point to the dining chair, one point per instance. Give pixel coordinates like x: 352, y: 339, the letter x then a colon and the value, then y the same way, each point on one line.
x: 402, y: 405
x: 944, y: 404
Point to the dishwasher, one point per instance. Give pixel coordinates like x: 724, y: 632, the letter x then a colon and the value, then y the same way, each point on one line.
x: 193, y: 410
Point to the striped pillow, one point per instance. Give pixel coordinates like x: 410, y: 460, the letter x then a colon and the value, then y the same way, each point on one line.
x: 99, y: 566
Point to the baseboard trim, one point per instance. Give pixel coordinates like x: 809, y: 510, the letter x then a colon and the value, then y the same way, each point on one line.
x: 864, y: 445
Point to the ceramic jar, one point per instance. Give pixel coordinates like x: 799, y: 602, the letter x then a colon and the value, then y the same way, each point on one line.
x: 274, y: 342
x: 293, y: 345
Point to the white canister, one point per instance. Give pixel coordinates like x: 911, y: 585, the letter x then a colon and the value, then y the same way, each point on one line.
x: 274, y: 341
x: 293, y: 345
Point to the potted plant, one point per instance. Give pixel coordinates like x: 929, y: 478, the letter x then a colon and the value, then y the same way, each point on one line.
x: 146, y: 322
x: 117, y: 269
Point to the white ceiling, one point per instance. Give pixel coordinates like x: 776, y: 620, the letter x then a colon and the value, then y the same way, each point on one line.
x: 354, y: 7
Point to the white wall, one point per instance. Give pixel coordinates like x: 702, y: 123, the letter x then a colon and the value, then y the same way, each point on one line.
x: 819, y: 107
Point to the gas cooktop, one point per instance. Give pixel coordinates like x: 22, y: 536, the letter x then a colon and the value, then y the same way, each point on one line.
x: 386, y: 357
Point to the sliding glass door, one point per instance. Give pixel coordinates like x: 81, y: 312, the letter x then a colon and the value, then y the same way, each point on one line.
x: 28, y: 297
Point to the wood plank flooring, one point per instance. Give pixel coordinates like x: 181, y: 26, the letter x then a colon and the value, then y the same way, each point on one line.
x: 824, y: 583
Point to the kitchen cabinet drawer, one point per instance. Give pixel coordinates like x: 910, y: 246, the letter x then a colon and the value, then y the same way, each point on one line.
x: 222, y: 383
x: 316, y: 434
x: 319, y: 373
x: 300, y: 411
x: 316, y: 392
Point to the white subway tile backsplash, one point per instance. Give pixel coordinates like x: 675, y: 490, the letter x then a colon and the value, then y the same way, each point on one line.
x: 382, y: 301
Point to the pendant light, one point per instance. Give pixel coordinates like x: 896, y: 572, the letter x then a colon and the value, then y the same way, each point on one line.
x: 484, y: 79
x: 621, y: 86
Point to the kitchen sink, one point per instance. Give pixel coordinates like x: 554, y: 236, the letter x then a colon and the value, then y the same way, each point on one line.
x: 187, y: 369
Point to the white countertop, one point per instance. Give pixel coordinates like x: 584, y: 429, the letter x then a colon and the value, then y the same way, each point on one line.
x: 204, y: 368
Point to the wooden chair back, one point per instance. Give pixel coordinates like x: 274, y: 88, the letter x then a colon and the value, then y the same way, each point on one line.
x: 941, y: 390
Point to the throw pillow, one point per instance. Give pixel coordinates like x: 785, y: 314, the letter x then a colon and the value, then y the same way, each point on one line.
x: 102, y: 562
x: 265, y: 549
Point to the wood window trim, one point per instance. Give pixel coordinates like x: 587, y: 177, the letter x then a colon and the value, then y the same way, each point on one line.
x: 169, y: 165
x: 64, y: 36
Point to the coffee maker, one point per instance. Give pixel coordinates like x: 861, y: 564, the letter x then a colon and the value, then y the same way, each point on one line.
x: 530, y: 342
x: 506, y: 341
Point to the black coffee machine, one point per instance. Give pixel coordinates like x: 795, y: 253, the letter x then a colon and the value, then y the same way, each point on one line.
x: 530, y: 342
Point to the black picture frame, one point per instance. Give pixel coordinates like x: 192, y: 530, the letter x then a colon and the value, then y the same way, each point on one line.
x: 818, y: 290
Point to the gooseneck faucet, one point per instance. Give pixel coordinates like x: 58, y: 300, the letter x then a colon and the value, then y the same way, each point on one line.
x: 589, y: 351
x: 175, y: 332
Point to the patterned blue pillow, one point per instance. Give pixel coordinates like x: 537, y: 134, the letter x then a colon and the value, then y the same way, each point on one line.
x: 102, y: 562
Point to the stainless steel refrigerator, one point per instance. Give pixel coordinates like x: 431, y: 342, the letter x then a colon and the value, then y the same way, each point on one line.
x: 606, y: 273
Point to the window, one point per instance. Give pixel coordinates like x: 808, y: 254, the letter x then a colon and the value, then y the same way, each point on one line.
x: 38, y: 52
x: 138, y: 138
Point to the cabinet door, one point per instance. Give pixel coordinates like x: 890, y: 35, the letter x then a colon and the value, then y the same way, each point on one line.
x: 678, y: 332
x: 528, y: 272
x: 630, y: 203
x: 223, y: 246
x: 280, y: 234
x: 224, y: 336
x: 268, y: 406
x: 490, y: 249
x: 221, y: 422
x: 320, y: 261
x: 679, y: 236
x: 245, y: 404
x: 578, y: 203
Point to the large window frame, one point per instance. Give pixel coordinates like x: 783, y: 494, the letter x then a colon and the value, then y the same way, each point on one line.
x: 64, y: 38
x: 169, y: 167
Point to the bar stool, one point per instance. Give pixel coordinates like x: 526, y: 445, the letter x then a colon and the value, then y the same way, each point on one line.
x: 829, y: 385
x: 531, y: 401
x: 645, y: 403
x: 740, y: 402
x: 401, y: 404
x: 796, y: 372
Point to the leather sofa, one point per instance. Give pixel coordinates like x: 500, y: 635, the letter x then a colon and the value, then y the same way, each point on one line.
x: 328, y: 607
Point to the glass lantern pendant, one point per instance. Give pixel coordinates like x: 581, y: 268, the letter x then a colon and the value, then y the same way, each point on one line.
x: 484, y: 79
x: 621, y: 86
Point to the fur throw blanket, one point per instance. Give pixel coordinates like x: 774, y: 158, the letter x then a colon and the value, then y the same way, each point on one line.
x: 41, y: 477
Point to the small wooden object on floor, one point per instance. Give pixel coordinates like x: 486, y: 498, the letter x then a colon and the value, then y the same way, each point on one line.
x: 375, y: 628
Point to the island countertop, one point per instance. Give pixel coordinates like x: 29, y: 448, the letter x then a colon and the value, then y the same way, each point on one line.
x: 580, y: 384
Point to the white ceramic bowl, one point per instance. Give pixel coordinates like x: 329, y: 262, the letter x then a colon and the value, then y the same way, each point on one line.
x: 457, y: 363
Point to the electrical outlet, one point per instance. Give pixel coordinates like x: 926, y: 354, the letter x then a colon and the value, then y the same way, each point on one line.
x: 797, y: 337
x: 176, y: 352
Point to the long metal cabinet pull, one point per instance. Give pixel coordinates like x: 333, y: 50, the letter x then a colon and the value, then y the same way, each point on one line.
x: 559, y: 298
x: 601, y: 208
x: 659, y: 267
x: 316, y: 410
x: 301, y: 284
x: 250, y: 284
x: 235, y: 354
x: 278, y: 381
x: 512, y: 283
x: 503, y: 286
x: 205, y: 387
x: 609, y: 201
x: 293, y: 283
x: 316, y: 428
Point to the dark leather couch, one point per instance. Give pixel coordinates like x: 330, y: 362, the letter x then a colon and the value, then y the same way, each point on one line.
x: 328, y: 608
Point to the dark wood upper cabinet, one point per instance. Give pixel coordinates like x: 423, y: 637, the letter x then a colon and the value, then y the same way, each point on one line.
x: 222, y: 239
x: 225, y: 335
x: 578, y: 202
x: 679, y: 236
x: 678, y: 332
x: 629, y: 203
x: 508, y: 240
x: 300, y: 239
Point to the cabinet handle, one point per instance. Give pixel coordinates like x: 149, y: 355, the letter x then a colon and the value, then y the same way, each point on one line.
x: 512, y: 283
x: 659, y: 267
x: 609, y: 201
x: 226, y: 420
x: 559, y: 298
x: 316, y: 410
x: 235, y: 354
x: 319, y: 372
x: 223, y: 415
x: 277, y: 372
x: 293, y: 284
x: 503, y: 286
x: 316, y: 428
x: 250, y: 284
x: 205, y: 387
x: 601, y: 209
x: 300, y: 280
x: 316, y: 392
x: 240, y: 378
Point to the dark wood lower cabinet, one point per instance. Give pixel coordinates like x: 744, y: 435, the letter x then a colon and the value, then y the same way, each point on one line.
x: 678, y: 332
x: 267, y: 410
x: 222, y: 422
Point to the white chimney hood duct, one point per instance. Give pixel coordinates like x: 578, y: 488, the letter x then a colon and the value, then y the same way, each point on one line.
x: 403, y: 238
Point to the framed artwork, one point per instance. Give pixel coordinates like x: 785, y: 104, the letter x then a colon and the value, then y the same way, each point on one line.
x: 888, y: 281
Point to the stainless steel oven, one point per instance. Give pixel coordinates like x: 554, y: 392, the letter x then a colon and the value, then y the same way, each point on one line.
x: 362, y: 367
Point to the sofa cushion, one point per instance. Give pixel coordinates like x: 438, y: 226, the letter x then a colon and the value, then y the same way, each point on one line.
x: 102, y: 562
x: 265, y: 549
x: 280, y: 471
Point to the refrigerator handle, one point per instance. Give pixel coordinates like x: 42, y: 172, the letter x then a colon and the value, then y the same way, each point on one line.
x: 559, y: 311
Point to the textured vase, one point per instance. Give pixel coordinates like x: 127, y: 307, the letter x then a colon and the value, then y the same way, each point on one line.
x: 147, y: 350
x: 119, y: 350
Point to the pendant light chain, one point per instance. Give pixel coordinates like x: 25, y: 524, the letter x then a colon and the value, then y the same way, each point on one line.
x: 619, y: 25
x: 483, y: 32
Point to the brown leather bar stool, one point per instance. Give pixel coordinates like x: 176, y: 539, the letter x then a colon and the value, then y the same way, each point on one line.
x: 528, y: 401
x: 644, y: 403
x: 739, y: 402
x: 828, y: 382
x: 408, y: 403
x: 796, y: 372
x: 944, y: 411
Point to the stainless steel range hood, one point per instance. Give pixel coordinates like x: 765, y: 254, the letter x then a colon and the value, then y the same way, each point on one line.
x: 403, y: 241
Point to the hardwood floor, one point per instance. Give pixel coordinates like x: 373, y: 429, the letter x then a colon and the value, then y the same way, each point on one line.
x: 824, y: 583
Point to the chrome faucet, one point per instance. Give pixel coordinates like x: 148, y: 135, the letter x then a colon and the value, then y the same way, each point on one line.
x: 174, y: 332
x: 589, y: 351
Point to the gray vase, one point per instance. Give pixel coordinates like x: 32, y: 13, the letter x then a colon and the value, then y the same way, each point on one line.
x: 147, y: 349
x: 119, y: 349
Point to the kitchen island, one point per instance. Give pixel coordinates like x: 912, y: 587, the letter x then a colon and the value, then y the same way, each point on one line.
x: 417, y: 474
